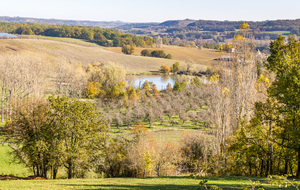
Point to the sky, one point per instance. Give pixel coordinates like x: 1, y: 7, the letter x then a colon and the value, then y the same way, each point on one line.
x: 152, y: 11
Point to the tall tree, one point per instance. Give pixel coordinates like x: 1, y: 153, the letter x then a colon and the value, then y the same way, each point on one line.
x: 78, y: 130
x: 284, y: 62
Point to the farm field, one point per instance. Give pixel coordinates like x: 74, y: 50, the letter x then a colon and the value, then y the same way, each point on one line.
x: 205, y: 57
x: 55, y: 50
x: 52, y: 52
x: 162, y: 183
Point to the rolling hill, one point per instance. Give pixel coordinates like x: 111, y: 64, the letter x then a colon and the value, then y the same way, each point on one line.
x: 63, y: 50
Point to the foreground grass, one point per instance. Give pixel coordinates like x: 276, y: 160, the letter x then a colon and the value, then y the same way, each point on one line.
x: 164, y: 183
x: 8, y: 166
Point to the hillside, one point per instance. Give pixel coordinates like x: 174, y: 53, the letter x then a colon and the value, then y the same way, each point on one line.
x: 103, y: 24
x: 204, y: 57
x: 63, y: 50
x: 50, y: 52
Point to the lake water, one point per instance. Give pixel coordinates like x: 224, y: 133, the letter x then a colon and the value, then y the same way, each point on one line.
x: 7, y: 35
x: 160, y: 81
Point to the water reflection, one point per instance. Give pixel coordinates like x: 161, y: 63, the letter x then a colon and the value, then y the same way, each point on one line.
x: 161, y: 81
x: 6, y: 35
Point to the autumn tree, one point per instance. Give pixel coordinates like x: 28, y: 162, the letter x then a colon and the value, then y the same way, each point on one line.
x: 165, y: 69
x: 128, y: 49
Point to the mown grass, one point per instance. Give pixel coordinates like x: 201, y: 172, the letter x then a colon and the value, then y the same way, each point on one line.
x: 8, y: 165
x: 163, y: 183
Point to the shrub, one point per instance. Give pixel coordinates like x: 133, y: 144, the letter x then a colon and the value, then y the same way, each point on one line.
x: 165, y: 69
x: 128, y: 49
x: 146, y: 52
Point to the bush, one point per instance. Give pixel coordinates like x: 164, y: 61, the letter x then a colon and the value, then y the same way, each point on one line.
x: 146, y: 52
x: 128, y: 49
x: 156, y: 53
x: 165, y: 69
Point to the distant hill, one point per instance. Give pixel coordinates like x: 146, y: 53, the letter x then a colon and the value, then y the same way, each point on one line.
x: 273, y: 25
x: 177, y: 23
x: 102, y: 24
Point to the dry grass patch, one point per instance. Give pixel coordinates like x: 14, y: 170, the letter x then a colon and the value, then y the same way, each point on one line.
x: 53, y: 51
x: 204, y: 57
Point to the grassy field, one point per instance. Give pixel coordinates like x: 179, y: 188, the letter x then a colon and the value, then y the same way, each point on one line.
x: 164, y: 183
x: 8, y: 166
x: 53, y: 50
x: 204, y: 57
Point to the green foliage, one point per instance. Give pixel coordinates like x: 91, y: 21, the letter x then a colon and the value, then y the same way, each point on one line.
x: 169, y: 56
x: 156, y: 53
x: 64, y: 132
x: 179, y: 86
x: 101, y: 36
x: 284, y: 182
x: 175, y: 67
x: 146, y: 52
x: 28, y: 133
x: 78, y: 131
x: 255, y: 185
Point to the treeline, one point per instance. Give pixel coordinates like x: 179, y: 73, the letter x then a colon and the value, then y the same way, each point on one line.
x: 101, y: 36
x: 221, y: 26
x: 155, y: 53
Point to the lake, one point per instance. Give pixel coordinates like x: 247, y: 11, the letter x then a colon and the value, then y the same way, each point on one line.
x: 160, y: 81
x: 7, y: 35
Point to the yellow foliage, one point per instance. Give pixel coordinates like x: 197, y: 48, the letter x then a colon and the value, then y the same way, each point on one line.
x: 220, y: 48
x: 239, y: 38
x: 165, y: 69
x: 245, y: 25
x: 214, y: 78
x: 226, y: 91
x: 93, y: 90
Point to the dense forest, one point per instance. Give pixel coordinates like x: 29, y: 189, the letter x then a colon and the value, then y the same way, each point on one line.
x: 101, y: 36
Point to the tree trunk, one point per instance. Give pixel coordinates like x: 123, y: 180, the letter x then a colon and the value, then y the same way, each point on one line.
x: 262, y: 168
x: 54, y: 174
x: 2, y: 105
x: 298, y: 170
x: 286, y: 165
x: 70, y: 170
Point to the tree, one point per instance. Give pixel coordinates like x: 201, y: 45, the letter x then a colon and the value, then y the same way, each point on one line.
x: 165, y: 69
x: 78, y: 131
x: 128, y: 49
x: 175, y: 67
x: 146, y: 52
x: 284, y: 62
x: 28, y: 134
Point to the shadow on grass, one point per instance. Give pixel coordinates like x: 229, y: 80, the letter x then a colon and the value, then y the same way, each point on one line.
x: 137, y: 186
x: 226, y: 183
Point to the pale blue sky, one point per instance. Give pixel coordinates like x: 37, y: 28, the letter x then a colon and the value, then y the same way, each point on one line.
x: 153, y: 10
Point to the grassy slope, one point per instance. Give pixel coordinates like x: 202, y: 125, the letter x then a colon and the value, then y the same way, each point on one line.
x: 170, y: 183
x: 52, y: 52
x: 204, y: 57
